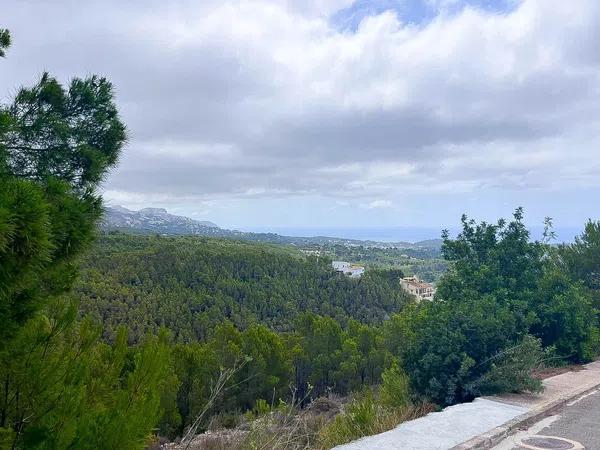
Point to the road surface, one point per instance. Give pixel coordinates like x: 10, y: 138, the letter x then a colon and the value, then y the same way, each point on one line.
x: 576, y: 425
x: 441, y: 430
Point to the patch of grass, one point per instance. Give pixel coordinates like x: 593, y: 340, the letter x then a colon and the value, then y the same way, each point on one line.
x: 365, y: 416
x: 325, y: 423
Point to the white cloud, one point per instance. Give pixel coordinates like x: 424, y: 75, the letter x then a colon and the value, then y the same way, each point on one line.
x: 379, y: 204
x: 265, y: 99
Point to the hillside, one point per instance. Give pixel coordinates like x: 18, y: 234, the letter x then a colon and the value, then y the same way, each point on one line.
x: 190, y: 284
x: 159, y: 221
x: 156, y: 220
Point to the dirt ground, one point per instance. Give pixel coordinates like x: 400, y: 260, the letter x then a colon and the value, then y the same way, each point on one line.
x: 552, y: 371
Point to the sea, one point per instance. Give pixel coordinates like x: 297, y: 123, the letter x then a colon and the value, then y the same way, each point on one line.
x: 397, y: 234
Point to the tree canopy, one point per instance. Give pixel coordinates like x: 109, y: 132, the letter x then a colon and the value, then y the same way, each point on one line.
x: 191, y: 284
x: 4, y: 41
x: 60, y: 386
x: 55, y: 147
x: 501, y: 289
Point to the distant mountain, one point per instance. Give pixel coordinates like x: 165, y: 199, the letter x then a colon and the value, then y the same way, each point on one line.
x: 155, y: 220
x: 158, y: 220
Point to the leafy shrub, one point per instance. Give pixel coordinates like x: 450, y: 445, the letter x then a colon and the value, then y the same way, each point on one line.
x: 501, y: 287
x: 566, y: 318
x: 261, y: 407
x: 365, y: 416
x: 448, y: 346
x: 359, y: 419
x: 512, y: 369
x: 395, y: 389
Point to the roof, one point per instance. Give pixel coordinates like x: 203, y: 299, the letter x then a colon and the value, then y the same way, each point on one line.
x: 413, y: 281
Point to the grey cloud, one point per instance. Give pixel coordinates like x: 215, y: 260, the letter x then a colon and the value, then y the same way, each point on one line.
x: 261, y: 96
x: 410, y: 135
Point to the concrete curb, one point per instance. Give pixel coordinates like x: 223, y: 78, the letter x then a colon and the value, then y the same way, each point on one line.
x: 493, y: 437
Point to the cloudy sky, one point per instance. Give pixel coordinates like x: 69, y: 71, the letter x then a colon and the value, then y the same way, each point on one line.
x: 336, y: 112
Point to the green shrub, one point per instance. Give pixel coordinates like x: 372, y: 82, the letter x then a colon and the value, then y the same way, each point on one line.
x: 512, y: 369
x: 395, y: 389
x: 261, y: 407
x: 356, y: 421
x: 365, y: 416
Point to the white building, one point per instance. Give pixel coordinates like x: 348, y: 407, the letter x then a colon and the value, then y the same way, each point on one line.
x: 418, y: 288
x: 352, y: 270
x: 311, y: 252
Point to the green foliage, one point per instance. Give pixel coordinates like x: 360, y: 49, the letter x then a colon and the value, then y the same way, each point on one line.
x: 366, y: 415
x: 500, y: 288
x: 196, y: 367
x: 510, y: 370
x: 63, y: 388
x: 445, y: 342
x: 60, y: 386
x: 55, y: 146
x: 25, y: 251
x: 565, y: 317
x: 581, y: 260
x: 496, y: 260
x: 318, y: 357
x: 71, y: 135
x: 328, y: 357
x: 261, y: 407
x: 358, y: 419
x: 4, y: 41
x: 267, y: 371
x: 192, y: 284
x: 582, y: 257
x: 395, y: 387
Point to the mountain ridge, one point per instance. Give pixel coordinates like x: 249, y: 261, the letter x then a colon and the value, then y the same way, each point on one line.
x: 159, y: 220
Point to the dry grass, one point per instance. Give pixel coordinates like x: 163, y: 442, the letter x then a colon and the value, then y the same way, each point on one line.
x: 327, y: 422
x: 547, y: 372
x: 365, y: 417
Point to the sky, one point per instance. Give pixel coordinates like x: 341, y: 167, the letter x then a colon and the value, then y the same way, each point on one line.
x: 335, y: 113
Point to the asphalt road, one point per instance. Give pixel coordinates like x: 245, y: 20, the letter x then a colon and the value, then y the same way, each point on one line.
x: 578, y: 422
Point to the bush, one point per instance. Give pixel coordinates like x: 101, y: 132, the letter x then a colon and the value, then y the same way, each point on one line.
x: 449, y: 346
x: 512, y: 369
x: 261, y: 407
x: 395, y: 389
x: 359, y: 419
x: 501, y: 287
x: 365, y: 416
x: 566, y: 318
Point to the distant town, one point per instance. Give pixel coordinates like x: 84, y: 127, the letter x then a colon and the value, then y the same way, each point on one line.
x: 352, y: 270
x: 413, y: 285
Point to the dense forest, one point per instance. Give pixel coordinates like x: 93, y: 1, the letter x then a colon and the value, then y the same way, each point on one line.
x: 191, y: 284
x: 286, y: 328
